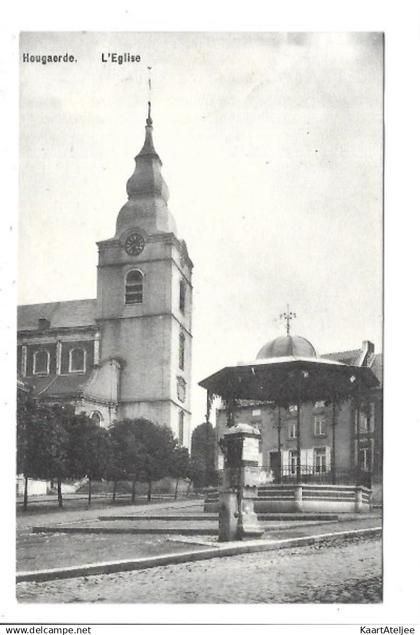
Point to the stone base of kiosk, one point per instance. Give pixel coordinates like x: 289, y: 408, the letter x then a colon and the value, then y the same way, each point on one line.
x: 306, y: 498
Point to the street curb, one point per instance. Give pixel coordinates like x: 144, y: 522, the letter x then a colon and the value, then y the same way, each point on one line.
x: 171, y: 531
x: 153, y: 531
x: 215, y: 517
x: 251, y: 546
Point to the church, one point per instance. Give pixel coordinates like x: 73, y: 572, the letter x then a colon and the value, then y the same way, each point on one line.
x: 127, y: 352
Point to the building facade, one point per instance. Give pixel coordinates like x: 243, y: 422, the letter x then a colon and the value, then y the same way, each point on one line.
x: 127, y: 352
x: 350, y: 448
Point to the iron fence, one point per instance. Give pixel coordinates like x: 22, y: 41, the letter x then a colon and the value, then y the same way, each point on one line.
x: 308, y: 474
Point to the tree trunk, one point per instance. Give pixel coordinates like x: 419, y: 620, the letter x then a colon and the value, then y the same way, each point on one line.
x: 90, y: 491
x: 114, y: 491
x: 188, y: 488
x: 133, y: 491
x: 149, y: 492
x: 176, y: 489
x: 25, y: 494
x: 59, y: 494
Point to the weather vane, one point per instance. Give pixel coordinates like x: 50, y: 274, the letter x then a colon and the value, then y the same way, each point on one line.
x: 149, y: 103
x: 288, y: 316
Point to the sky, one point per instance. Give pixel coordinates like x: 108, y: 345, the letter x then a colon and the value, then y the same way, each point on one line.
x: 271, y: 146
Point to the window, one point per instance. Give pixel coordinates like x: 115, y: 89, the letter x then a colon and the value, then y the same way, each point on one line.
x: 363, y: 422
x: 181, y: 350
x: 319, y: 426
x: 319, y: 404
x: 292, y: 408
x: 182, y: 294
x: 274, y: 460
x: 320, y: 460
x: 77, y: 363
x: 24, y: 359
x: 258, y: 425
x: 293, y: 457
x: 366, y: 418
x: 256, y: 413
x: 372, y: 416
x: 97, y: 418
x: 41, y: 362
x: 181, y: 416
x: 366, y: 457
x: 134, y: 287
x: 292, y: 430
x: 181, y: 386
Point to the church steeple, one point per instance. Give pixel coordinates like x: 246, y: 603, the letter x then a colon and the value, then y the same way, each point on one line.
x: 147, y: 191
x: 144, y: 300
x: 148, y: 147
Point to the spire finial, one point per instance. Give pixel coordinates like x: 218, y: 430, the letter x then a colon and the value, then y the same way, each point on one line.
x: 288, y: 316
x: 149, y: 120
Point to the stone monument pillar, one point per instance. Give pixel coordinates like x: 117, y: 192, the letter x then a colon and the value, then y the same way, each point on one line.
x: 237, y: 518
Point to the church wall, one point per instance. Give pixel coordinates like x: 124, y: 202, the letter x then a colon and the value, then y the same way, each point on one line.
x: 31, y: 350
x: 160, y: 412
x: 144, y: 348
x: 157, y: 411
x: 145, y: 336
x: 181, y: 377
x: 156, y: 289
x: 107, y: 413
x: 66, y: 347
x: 174, y: 425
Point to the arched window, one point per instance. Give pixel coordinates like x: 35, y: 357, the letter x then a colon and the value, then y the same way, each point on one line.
x: 77, y: 363
x: 181, y: 416
x: 181, y: 388
x: 181, y: 350
x: 97, y: 418
x: 182, y: 295
x: 134, y: 287
x: 41, y: 362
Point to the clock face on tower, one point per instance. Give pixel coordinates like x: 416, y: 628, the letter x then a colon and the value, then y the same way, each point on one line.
x: 134, y: 244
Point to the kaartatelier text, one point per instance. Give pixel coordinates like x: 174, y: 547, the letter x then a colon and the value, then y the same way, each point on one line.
x: 122, y: 58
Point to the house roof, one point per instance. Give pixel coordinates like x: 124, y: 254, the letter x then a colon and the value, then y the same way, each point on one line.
x: 350, y: 357
x: 346, y: 357
x: 68, y: 314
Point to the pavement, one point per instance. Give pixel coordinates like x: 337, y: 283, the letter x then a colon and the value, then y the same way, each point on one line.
x: 171, y: 533
x: 69, y: 515
x: 346, y: 571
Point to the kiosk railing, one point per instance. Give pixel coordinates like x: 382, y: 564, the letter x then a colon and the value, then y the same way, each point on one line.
x: 266, y: 475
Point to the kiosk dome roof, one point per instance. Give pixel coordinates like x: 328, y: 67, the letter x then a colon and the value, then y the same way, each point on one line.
x: 286, y: 346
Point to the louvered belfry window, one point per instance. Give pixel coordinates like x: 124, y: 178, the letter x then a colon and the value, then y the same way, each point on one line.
x: 134, y: 287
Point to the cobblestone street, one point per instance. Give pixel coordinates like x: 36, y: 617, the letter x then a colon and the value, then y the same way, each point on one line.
x: 348, y: 572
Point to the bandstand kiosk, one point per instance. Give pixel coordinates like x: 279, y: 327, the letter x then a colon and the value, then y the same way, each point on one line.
x: 283, y: 381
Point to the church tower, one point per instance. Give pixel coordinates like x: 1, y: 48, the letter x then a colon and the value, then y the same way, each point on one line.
x: 144, y: 300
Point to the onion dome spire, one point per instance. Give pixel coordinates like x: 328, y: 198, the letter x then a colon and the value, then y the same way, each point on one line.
x: 148, y: 147
x: 148, y: 194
